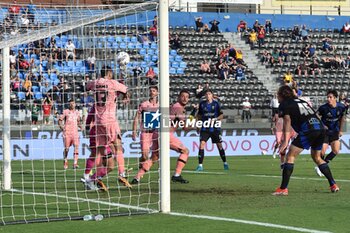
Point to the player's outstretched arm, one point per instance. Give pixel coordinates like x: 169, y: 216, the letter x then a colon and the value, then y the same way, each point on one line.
x: 137, y: 119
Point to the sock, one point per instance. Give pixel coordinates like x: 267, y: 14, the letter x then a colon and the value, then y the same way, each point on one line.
x: 145, y: 168
x: 90, y: 162
x: 76, y: 155
x: 222, y: 155
x: 287, y: 172
x: 324, y: 168
x: 101, y: 172
x: 181, y: 162
x: 120, y: 162
x: 329, y: 157
x: 200, y: 156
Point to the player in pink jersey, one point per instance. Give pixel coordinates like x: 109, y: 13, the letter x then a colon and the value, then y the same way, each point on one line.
x: 177, y: 113
x: 71, y: 120
x: 107, y: 126
x: 148, y: 137
x: 94, y: 158
x: 277, y: 128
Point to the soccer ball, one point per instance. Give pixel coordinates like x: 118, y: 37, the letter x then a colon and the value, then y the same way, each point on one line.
x: 123, y: 58
x: 263, y: 152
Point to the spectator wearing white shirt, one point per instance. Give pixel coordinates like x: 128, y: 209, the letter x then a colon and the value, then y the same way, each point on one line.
x: 24, y: 21
x: 274, y: 104
x: 246, y: 106
x: 12, y: 58
x: 346, y: 28
x: 91, y: 62
x: 70, y: 50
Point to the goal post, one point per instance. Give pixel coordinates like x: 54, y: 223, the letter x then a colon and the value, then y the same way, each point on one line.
x: 35, y: 187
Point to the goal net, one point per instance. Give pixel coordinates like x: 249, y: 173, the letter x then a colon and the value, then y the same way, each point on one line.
x: 54, y: 54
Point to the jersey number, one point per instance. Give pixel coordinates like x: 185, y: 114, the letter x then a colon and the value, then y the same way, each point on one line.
x: 101, y: 98
x: 305, y: 109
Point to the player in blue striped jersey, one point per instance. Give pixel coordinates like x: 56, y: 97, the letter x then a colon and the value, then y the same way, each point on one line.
x: 333, y: 116
x: 210, y: 110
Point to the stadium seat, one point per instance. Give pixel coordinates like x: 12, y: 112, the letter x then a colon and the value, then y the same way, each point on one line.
x: 38, y: 95
x: 21, y: 95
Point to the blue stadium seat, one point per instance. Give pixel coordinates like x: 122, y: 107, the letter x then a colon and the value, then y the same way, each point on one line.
x: 53, y: 76
x: 126, y: 39
x: 172, y: 71
x: 154, y: 45
x: 79, y: 63
x: 122, y: 45
x: 178, y: 58
x: 34, y: 56
x: 143, y: 51
x: 131, y: 45
x: 35, y: 88
x: 150, y: 51
x: 21, y: 95
x: 138, y: 45
x: 175, y: 64
x: 183, y: 64
x: 145, y: 45
x: 180, y: 71
x: 155, y: 58
x: 156, y: 70
x: 147, y: 58
x: 38, y: 95
x: 115, y: 45
x: 119, y: 39
x: 171, y: 58
x: 173, y: 52
x: 133, y: 39
x: 70, y: 63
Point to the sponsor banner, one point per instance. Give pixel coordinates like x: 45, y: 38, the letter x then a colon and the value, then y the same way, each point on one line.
x: 227, y: 1
x: 235, y: 146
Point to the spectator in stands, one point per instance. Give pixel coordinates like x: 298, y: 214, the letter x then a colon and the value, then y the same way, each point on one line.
x: 21, y: 61
x: 232, y: 51
x: 312, y: 51
x: 206, y: 28
x: 47, y: 106
x: 302, y: 69
x: 264, y: 57
x: 304, y: 33
x: 155, y: 21
x: 223, y: 69
x: 13, y: 58
x: 199, y: 24
x: 152, y: 76
x: 340, y: 62
x: 268, y: 26
x: 91, y: 62
x: 346, y: 28
x: 27, y: 84
x: 305, y: 52
x: 16, y: 85
x: 274, y: 104
x: 175, y: 42
x: 30, y: 11
x: 284, y: 54
x: 24, y: 21
x: 35, y: 113
x: 13, y: 72
x: 14, y: 10
x: 261, y: 36
x: 246, y: 106
x: 240, y: 73
x: 214, y: 26
x: 296, y: 34
x: 275, y: 58
x: 205, y: 67
x: 29, y: 99
x: 315, y: 67
x: 201, y: 90
x: 326, y: 43
x: 253, y: 38
x: 45, y: 88
x: 239, y: 56
x: 70, y: 50
x: 256, y: 26
x: 153, y: 33
x: 288, y: 78
x: 242, y: 26
x: 347, y: 62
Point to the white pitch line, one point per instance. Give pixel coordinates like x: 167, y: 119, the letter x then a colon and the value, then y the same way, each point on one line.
x: 203, y: 172
x: 299, y: 229
x: 295, y: 178
x: 291, y: 228
x: 86, y: 200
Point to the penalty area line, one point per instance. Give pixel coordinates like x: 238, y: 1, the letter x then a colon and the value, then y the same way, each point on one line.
x: 86, y: 200
x: 294, y: 178
x: 271, y: 225
x: 203, y: 172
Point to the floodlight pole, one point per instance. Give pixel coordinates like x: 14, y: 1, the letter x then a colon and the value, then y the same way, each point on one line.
x: 6, y: 114
x: 164, y: 106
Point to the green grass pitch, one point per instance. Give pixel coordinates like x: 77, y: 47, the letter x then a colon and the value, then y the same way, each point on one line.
x: 242, y: 193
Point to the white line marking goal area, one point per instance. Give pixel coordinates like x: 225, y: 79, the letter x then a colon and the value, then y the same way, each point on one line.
x: 214, y: 218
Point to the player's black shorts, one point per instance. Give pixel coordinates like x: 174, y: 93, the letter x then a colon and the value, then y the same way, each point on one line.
x: 331, y: 137
x: 313, y: 139
x: 215, y: 136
